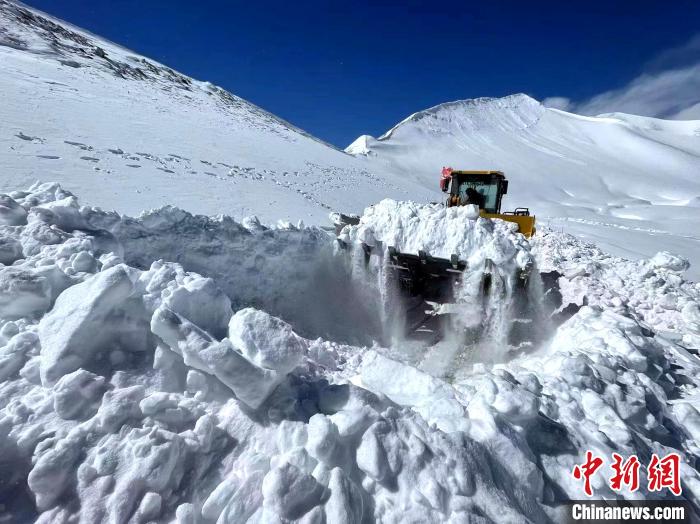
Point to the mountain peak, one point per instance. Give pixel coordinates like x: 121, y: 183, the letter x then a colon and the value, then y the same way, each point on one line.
x: 361, y: 145
x: 509, y: 112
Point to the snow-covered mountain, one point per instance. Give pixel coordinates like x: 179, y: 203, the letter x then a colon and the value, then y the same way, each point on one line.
x: 133, y: 134
x: 629, y: 183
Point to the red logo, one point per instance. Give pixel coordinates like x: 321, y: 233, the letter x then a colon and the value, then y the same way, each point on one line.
x: 586, y: 470
x: 661, y: 473
x: 665, y: 473
x: 626, y: 473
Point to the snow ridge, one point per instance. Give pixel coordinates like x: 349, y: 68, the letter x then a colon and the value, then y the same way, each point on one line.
x: 510, y: 112
x: 34, y: 32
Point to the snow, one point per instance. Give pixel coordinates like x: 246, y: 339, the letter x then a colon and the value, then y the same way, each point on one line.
x: 86, y: 318
x: 149, y: 391
x: 440, y: 232
x: 266, y: 340
x: 171, y: 366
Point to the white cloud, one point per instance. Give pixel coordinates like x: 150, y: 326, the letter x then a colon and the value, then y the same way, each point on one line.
x: 668, y: 94
x: 558, y: 102
x: 668, y: 88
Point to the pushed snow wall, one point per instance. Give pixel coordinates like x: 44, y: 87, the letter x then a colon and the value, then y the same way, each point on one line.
x: 290, y: 271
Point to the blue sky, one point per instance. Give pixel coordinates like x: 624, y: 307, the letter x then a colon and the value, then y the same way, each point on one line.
x: 342, y: 69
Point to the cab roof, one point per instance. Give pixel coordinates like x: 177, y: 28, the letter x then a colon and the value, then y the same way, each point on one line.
x: 491, y: 173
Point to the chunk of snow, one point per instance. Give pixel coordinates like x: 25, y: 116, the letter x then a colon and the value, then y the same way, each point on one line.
x: 23, y: 293
x: 251, y: 383
x: 11, y: 213
x: 77, y: 394
x: 670, y: 261
x: 87, y: 321
x: 265, y: 340
x: 289, y: 492
x: 202, y: 302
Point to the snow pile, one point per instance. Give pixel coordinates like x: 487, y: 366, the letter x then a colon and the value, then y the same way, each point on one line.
x: 440, y: 232
x: 138, y: 392
x: 247, y: 259
x: 651, y: 291
x: 604, y: 384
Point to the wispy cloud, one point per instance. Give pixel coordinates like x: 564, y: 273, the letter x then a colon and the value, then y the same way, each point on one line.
x: 668, y: 88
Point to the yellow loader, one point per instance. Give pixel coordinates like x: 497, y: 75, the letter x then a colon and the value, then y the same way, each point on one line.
x: 484, y: 189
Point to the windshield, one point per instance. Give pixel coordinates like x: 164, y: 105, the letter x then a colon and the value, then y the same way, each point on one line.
x: 487, y: 193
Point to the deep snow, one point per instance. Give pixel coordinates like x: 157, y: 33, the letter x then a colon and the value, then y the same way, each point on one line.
x: 135, y: 390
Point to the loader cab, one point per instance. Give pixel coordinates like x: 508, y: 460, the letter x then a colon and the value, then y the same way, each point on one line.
x: 484, y: 188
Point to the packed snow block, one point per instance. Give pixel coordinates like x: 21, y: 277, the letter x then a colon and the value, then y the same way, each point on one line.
x: 200, y: 301
x: 290, y: 492
x: 150, y: 507
x: 52, y: 471
x: 11, y: 213
x: 251, y: 383
x: 186, y: 514
x: 408, y: 386
x: 10, y: 250
x: 118, y: 406
x: 169, y: 408
x: 77, y: 395
x: 88, y: 319
x: 371, y: 455
x: 345, y: 504
x: 63, y: 213
x: 689, y: 418
x: 234, y: 501
x: 23, y: 293
x: 37, y: 234
x: 15, y: 353
x: 323, y: 438
x: 139, y: 461
x: 691, y: 314
x: 669, y: 261
x: 42, y: 193
x: 266, y: 340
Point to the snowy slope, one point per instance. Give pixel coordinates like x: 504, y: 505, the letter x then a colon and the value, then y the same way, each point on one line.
x: 133, y: 134
x: 629, y: 183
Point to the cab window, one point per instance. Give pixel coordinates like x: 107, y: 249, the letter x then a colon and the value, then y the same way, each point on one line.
x: 487, y: 190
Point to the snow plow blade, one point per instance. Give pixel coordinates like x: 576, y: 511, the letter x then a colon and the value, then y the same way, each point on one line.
x: 426, y: 276
x: 427, y: 285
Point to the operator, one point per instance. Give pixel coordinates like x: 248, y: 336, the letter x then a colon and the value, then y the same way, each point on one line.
x: 472, y: 196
